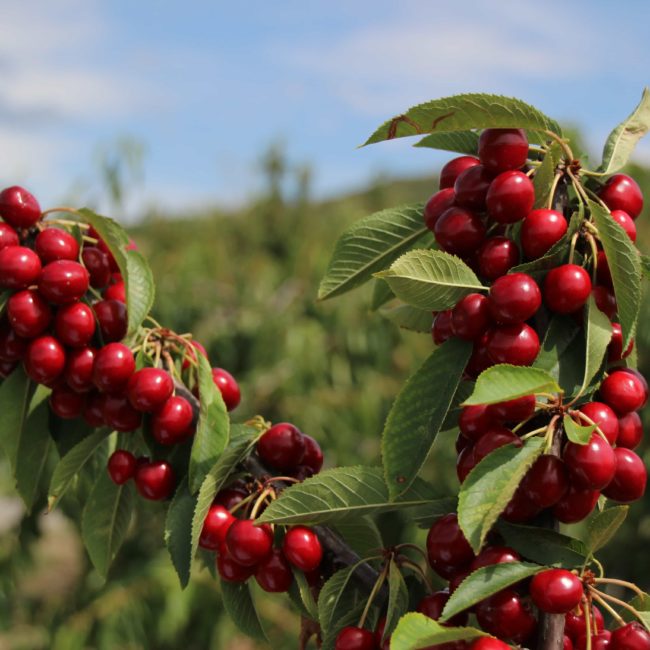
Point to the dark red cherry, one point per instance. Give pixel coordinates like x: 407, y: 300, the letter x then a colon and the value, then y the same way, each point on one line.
x: 282, y: 446
x: 480, y: 359
x: 512, y: 410
x: 97, y: 265
x: 18, y: 207
x: 451, y: 170
x: 566, y: 288
x: 556, y: 591
x: 514, y: 298
x: 433, y: 604
x: 471, y: 316
x: 623, y: 391
x: 516, y: 344
x: 230, y: 570
x: 78, y: 371
x: 54, y: 244
x: 474, y: 421
x: 576, y: 504
x: 93, y: 411
x: 231, y: 496
x: 546, y: 482
x: 621, y: 192
x: 590, y: 466
x: 355, y: 638
x: 599, y: 641
x: 8, y: 236
x: 575, y: 624
x: 116, y: 290
x: 471, y: 187
x: 604, y: 417
x: 630, y: 477
x: 112, y: 319
x: 66, y: 403
x: 436, y: 205
x: 625, y: 221
x: 506, y: 616
x: 274, y: 573
x: 215, y: 526
x: 441, y: 329
x: 465, y: 463
x: 114, y: 365
x: 302, y: 548
x: 494, y: 555
x: 63, y: 281
x: 121, y: 466
x: 632, y: 636
x: 247, y: 543
x: 605, y: 300
x: 44, y: 359
x: 155, y: 480
x: 630, y: 431
x: 503, y: 149
x: 20, y: 267
x: 459, y: 231
x: 12, y: 346
x: 494, y: 438
x: 28, y: 314
x: 6, y: 368
x: 120, y: 415
x: 496, y: 257
x: 603, y: 273
x: 313, y: 456
x: 520, y: 508
x: 615, y: 348
x: 149, y: 388
x: 447, y: 549
x: 173, y: 422
x: 510, y: 197
x: 540, y: 230
x: 75, y: 324
x: 228, y: 387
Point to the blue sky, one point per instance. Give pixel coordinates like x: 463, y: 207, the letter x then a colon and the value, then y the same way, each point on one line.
x: 206, y: 86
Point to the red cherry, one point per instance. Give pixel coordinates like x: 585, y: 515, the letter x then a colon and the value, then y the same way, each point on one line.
x: 513, y: 410
x: 44, y: 359
x: 505, y: 615
x: 75, y: 324
x: 621, y: 192
x: 114, y: 365
x: 436, y: 205
x: 447, y: 549
x: 121, y: 466
x: 540, y: 230
x: 556, y: 591
x: 274, y: 573
x: 29, y: 315
x: 433, y: 604
x: 625, y: 221
x: 629, y: 479
x: 488, y: 643
x: 190, y: 354
x: 471, y: 187
x: 496, y: 257
x: 8, y: 236
x: 566, y: 288
x: 355, y: 638
x: 63, y: 281
x: 516, y: 344
x: 465, y: 463
x: 546, y: 482
x: 97, y: 265
x: 599, y: 641
x: 459, y: 231
x: 54, y: 244
x: 112, y: 319
x: 230, y: 570
x: 12, y: 346
x: 510, y: 198
x: 590, y: 466
x: 20, y: 267
x: 632, y: 636
x: 282, y: 446
x: 520, y: 508
x: 450, y: 171
x: 18, y: 207
x: 247, y: 543
x: 93, y: 411
x: 641, y: 379
x: 576, y: 504
x: 623, y: 391
x: 441, y: 329
x: 503, y: 149
x: 78, y: 371
x: 480, y: 359
x: 494, y: 555
x: 604, y: 417
x: 173, y: 422
x: 302, y: 548
x: 615, y: 348
x: 231, y: 496
x: 120, y: 415
x: 575, y: 624
x: 116, y: 291
x: 228, y: 386
x: 603, y: 273
x: 313, y: 456
x: 155, y: 480
x: 216, y: 525
x: 149, y: 388
x: 605, y: 300
x: 494, y: 438
x: 65, y: 403
x: 630, y: 431
x: 471, y: 316
x: 514, y: 298
x: 474, y: 421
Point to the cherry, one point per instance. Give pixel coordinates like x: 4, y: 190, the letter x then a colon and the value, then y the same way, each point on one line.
x: 433, y: 604
x: 575, y: 624
x: 54, y: 244
x: 93, y: 411
x: 436, y: 205
x: 575, y: 505
x: 458, y: 231
x: 520, y: 508
x: 230, y: 570
x: 112, y: 319
x: 540, y: 230
x: 615, y: 348
x: 471, y: 316
x: 282, y: 446
x: 44, y: 359
x: 63, y: 281
x: 493, y: 439
x: 302, y: 548
x: 632, y: 636
x: 623, y: 391
x: 121, y: 466
x: 465, y: 462
x: 155, y: 480
x: 114, y: 365
x: 215, y: 526
x: 20, y: 267
x: 274, y: 573
x: 515, y: 344
x: 510, y: 198
x: 514, y: 298
x: 18, y: 207
x: 97, y: 265
x: 629, y: 479
x: 599, y: 641
x: 505, y: 615
x: 12, y: 346
x: 28, y: 314
x: 447, y: 549
x: 566, y: 288
x: 496, y: 257
x: 116, y: 291
x: 603, y: 273
x: 172, y: 423
x: 228, y: 387
x: 474, y: 421
x: 231, y: 496
x: 605, y: 300
x: 75, y: 324
x: 556, y: 591
x: 591, y: 466
x: 190, y: 354
x: 625, y: 221
x: 503, y: 149
x: 494, y: 555
x: 604, y: 417
x: 451, y: 170
x: 441, y: 329
x: 78, y: 371
x: 247, y: 543
x: 313, y: 456
x: 120, y: 415
x: 6, y: 368
x: 630, y: 431
x: 488, y: 643
x: 65, y: 403
x: 621, y: 192
x: 471, y: 187
x: 641, y: 379
x: 8, y: 236
x: 149, y: 388
x: 354, y: 638
x: 546, y: 482
x: 480, y: 359
x: 512, y: 410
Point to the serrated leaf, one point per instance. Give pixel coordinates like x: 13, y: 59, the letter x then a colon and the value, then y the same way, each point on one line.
x: 336, y: 597
x: 465, y: 142
x: 419, y: 412
x: 105, y: 521
x: 625, y: 266
x: 71, y: 464
x: 505, y: 382
x: 486, y: 582
x: 361, y: 534
x: 576, y: 433
x: 381, y: 294
x: 409, y: 318
x: 343, y: 493
x: 140, y: 291
x: 398, y: 598
x: 178, y: 531
x: 602, y: 526
x: 304, y: 594
x: 463, y: 112
x: 544, y: 179
x: 431, y: 280
x: 598, y: 333
x: 645, y: 266
x: 560, y: 337
x: 370, y: 245
x: 417, y: 631
x: 350, y: 616
x: 641, y: 603
x: 212, y: 428
x: 488, y: 488
x: 238, y: 603
x: 15, y: 395
x: 623, y: 139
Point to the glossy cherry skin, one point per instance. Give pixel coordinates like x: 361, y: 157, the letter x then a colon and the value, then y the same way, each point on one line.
x: 282, y: 446
x: 54, y: 244
x: 615, y: 350
x: 505, y: 615
x: 20, y: 267
x: 494, y: 438
x: 12, y: 346
x: 97, y: 265
x: 121, y: 466
x: 116, y: 290
x: 451, y: 170
x: 540, y: 230
x: 75, y: 324
x: 436, y: 205
x: 514, y: 298
x: 93, y: 411
x: 630, y: 477
x: 575, y: 624
x: 471, y: 316
x: 496, y: 257
x: 355, y: 638
x: 249, y: 544
x: 63, y: 281
x: 215, y: 526
x: 556, y: 591
x: 441, y: 329
x: 302, y: 548
x: 602, y: 415
x: 625, y: 221
x: 590, y: 466
x: 623, y: 392
x: 621, y: 192
x: 228, y: 387
x: 18, y: 207
x: 313, y: 456
x: 630, y: 431
x: 173, y: 422
x: 230, y: 570
x: 576, y: 504
x: 520, y: 508
x: 120, y: 415
x: 599, y: 641
x: 274, y: 573
x: 510, y: 197
x: 447, y: 549
x: 566, y: 288
x: 66, y: 403
x: 155, y: 480
x: 112, y: 319
x: 78, y: 372
x: 512, y: 410
x: 632, y: 636
x: 474, y: 421
x: 494, y: 555
x: 502, y: 149
x: 516, y: 344
x: 488, y: 643
x: 471, y: 187
x: 459, y: 231
x: 149, y: 388
x: 605, y: 300
x: 547, y: 481
x: 28, y: 314
x: 114, y: 365
x: 44, y: 359
x: 642, y: 381
x: 231, y: 496
x: 8, y: 236
x: 433, y: 604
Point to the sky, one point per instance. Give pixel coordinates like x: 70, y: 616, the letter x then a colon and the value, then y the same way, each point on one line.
x: 206, y: 86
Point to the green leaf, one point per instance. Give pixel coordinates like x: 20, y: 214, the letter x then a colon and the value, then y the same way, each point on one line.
x: 463, y: 112
x: 15, y: 394
x: 645, y: 266
x: 409, y: 318
x: 418, y: 413
x: 212, y: 428
x: 488, y: 488
x: 140, y: 291
x: 623, y: 139
x: 625, y: 266
x: 178, y: 531
x: 238, y: 603
x: 465, y: 142
x: 576, y: 433
x: 416, y: 631
x: 114, y: 236
x: 336, y: 597
x: 598, y: 332
x: 603, y: 525
x: 342, y: 493
x: 381, y: 294
x: 361, y: 534
x: 105, y: 521
x: 304, y: 593
x: 642, y: 605
x: 486, y: 582
x: 544, y: 179
x: 431, y: 280
x: 4, y: 296
x: 370, y: 245
x: 398, y: 597
x: 505, y: 382
x: 560, y: 337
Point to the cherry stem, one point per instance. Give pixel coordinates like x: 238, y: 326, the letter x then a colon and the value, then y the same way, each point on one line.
x: 62, y: 208
x: 582, y: 194
x: 413, y: 547
x: 551, y: 195
x: 419, y: 573
x: 594, y: 254
x: 375, y: 590
x: 588, y: 621
x: 572, y: 249
x: 532, y: 434
x: 562, y: 142
x: 585, y: 418
x: 609, y: 608
x: 616, y: 601
x: 258, y: 422
x: 286, y: 479
x: 621, y: 583
x: 550, y: 433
